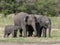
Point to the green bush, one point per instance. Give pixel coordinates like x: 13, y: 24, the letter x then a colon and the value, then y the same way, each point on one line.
x: 44, y: 7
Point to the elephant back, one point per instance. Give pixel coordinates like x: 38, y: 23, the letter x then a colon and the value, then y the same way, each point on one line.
x: 19, y: 18
x: 9, y: 28
x: 20, y: 15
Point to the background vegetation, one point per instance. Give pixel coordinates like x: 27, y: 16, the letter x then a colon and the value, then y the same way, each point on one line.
x: 44, y: 7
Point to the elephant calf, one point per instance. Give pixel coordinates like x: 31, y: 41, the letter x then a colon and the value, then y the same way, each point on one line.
x: 44, y: 23
x: 9, y: 29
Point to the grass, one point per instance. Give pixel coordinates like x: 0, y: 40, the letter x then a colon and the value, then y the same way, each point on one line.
x: 55, y: 22
x: 55, y: 34
x: 30, y: 40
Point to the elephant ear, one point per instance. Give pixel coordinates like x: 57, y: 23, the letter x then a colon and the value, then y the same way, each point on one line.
x: 35, y: 19
x: 26, y: 19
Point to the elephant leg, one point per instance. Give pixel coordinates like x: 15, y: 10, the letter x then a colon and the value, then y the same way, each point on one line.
x: 38, y: 28
x: 30, y: 31
x: 5, y: 35
x: 20, y: 32
x: 8, y: 34
x: 44, y: 32
x: 24, y: 31
x: 40, y: 32
x: 27, y: 29
x: 49, y: 27
x: 14, y: 33
x: 49, y: 31
x: 34, y: 28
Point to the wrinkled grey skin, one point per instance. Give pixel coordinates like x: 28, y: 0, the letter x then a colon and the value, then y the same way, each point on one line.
x: 43, y: 22
x: 9, y: 29
x: 22, y: 19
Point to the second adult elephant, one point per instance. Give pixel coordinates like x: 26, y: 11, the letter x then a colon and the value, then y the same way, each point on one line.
x: 22, y: 19
x: 43, y: 23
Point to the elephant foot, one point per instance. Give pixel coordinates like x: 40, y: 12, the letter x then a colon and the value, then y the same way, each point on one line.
x: 35, y: 36
x: 14, y: 36
x: 29, y: 36
x: 20, y: 35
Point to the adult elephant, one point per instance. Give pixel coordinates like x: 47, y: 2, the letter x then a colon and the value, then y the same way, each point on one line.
x: 23, y: 19
x: 43, y: 22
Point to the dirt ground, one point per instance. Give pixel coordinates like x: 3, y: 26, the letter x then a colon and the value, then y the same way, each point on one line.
x: 50, y: 43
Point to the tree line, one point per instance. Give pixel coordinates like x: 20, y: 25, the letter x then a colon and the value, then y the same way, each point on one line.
x: 43, y: 7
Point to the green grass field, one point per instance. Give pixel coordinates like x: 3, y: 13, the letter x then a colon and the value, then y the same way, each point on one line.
x: 55, y: 33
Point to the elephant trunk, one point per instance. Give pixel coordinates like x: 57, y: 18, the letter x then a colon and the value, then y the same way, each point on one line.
x: 34, y: 27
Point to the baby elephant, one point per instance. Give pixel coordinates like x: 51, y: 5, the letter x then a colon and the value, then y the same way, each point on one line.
x: 9, y: 29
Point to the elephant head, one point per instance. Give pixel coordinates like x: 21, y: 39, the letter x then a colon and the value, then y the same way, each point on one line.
x: 31, y: 20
